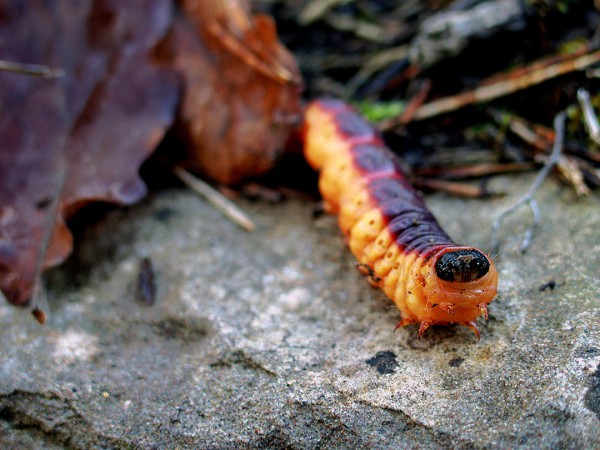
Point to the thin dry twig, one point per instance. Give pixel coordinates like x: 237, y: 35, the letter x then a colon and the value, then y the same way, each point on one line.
x: 36, y: 70
x: 589, y: 116
x: 39, y: 301
x: 314, y: 10
x: 570, y: 169
x: 474, y: 170
x: 374, y: 63
x: 453, y: 187
x: 219, y: 201
x: 498, y: 86
x: 528, y: 199
x: 541, y: 138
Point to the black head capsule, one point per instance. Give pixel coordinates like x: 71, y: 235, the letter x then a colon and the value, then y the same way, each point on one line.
x: 462, y: 265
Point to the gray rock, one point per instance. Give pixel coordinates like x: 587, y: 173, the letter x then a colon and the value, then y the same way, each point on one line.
x: 274, y: 340
x: 446, y: 33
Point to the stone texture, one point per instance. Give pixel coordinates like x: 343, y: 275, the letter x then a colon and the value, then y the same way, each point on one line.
x: 273, y: 339
x: 448, y: 32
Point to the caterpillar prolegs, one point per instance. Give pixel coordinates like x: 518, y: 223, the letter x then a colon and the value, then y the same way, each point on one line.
x: 395, y: 238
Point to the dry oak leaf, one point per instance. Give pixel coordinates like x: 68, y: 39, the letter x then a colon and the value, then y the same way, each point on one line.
x: 81, y: 137
x: 241, y: 89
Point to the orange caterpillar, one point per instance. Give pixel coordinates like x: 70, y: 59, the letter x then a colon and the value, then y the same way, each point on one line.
x: 390, y: 230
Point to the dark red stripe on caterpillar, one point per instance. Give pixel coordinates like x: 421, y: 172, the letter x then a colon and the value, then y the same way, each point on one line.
x: 395, y: 238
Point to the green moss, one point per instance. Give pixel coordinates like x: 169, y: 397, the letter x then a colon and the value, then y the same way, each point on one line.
x: 378, y: 111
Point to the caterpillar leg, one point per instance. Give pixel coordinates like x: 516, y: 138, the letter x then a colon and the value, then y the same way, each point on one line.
x: 424, y: 325
x: 484, y: 312
x: 403, y: 323
x: 428, y: 322
x: 473, y: 326
x: 448, y: 307
x: 368, y: 271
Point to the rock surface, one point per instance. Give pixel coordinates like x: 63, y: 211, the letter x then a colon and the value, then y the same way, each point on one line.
x: 274, y: 340
x: 448, y: 32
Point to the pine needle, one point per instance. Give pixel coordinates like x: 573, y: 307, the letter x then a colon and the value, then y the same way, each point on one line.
x: 215, y: 198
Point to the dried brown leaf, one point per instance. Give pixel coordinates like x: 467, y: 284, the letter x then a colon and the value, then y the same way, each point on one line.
x: 242, y: 89
x: 81, y: 137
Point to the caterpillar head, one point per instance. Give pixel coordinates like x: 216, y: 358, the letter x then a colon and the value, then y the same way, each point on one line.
x: 458, y: 283
x: 462, y: 265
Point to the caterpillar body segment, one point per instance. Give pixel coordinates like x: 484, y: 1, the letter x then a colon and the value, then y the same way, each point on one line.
x: 390, y: 231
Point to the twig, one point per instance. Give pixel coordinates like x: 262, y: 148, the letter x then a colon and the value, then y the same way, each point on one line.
x: 474, y: 170
x: 453, y: 187
x: 39, y: 300
x: 360, y: 28
x: 314, y: 10
x: 570, y: 169
x: 373, y: 64
x: 498, y: 86
x: 541, y: 138
x: 223, y: 204
x: 528, y: 199
x: 589, y: 116
x: 36, y: 70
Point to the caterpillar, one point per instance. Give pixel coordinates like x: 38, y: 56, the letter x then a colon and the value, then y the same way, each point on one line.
x: 397, y: 241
